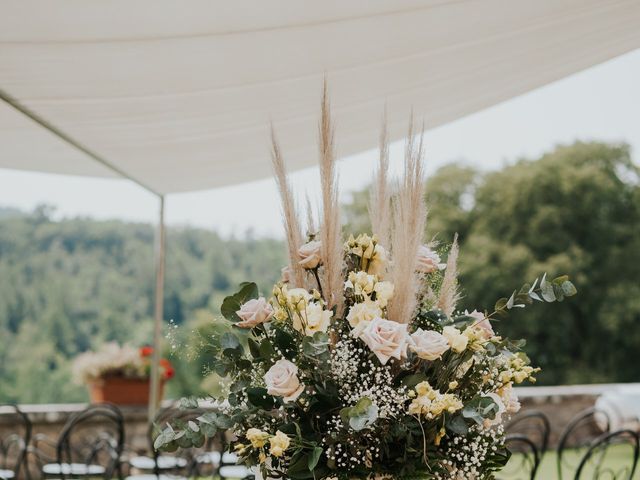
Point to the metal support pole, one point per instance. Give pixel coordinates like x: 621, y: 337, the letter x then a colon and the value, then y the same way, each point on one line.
x: 154, y: 397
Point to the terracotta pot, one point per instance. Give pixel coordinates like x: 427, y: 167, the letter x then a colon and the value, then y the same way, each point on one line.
x: 122, y: 391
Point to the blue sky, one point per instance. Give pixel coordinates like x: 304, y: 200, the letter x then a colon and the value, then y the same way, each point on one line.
x: 601, y: 103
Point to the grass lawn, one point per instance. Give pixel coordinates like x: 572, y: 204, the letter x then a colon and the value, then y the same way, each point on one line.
x: 617, y: 458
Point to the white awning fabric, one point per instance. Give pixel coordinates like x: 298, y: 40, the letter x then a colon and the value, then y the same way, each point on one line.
x: 179, y: 95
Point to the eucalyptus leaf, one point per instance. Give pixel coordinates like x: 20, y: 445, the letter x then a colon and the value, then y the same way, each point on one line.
x: 232, y: 303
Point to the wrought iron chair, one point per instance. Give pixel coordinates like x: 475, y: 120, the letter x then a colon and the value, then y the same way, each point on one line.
x: 524, y: 464
x: 534, y: 425
x: 579, y: 434
x: 82, y: 450
x: 13, y: 447
x: 165, y: 466
x: 528, y: 438
x: 594, y: 464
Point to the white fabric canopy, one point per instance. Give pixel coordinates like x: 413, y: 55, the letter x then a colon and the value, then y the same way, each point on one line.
x: 179, y: 95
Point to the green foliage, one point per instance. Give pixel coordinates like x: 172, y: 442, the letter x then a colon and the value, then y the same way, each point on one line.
x: 574, y: 210
x: 68, y: 286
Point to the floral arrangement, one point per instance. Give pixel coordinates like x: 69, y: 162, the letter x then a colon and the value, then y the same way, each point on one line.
x: 113, y: 360
x: 358, y: 365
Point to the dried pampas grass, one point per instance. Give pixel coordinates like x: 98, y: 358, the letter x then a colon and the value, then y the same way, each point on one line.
x: 289, y: 214
x: 331, y: 231
x: 380, y: 200
x: 409, y: 219
x: 449, y: 293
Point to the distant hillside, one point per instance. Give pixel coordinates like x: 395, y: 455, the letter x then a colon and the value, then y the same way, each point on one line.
x: 67, y: 286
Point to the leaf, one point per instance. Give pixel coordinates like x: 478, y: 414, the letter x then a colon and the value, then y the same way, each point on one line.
x: 546, y: 290
x: 266, y: 349
x: 254, y: 348
x: 166, y: 436
x: 463, y: 321
x: 259, y: 397
x: 299, y: 467
x: 314, y: 458
x: 457, y: 425
x: 316, y: 346
x: 187, y: 403
x: 413, y: 380
x: 569, y: 289
x: 511, y: 300
x: 535, y: 296
x: 286, y: 343
x: 501, y: 307
x: 232, y: 303
x: 361, y: 415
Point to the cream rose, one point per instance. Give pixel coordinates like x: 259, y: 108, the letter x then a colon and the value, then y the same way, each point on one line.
x: 457, y: 341
x: 314, y: 318
x: 385, y: 338
x: 363, y: 312
x: 481, y: 323
x: 428, y: 261
x: 384, y: 292
x: 429, y: 344
x: 254, y: 312
x: 310, y: 255
x: 282, y: 380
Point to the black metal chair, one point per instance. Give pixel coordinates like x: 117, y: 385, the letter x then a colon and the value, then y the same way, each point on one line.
x: 524, y: 464
x: 579, y: 433
x: 89, y: 445
x: 594, y: 464
x: 166, y: 466
x: 13, y: 447
x: 534, y: 425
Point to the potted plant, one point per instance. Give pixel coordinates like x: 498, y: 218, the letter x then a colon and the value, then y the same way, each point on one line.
x: 120, y: 374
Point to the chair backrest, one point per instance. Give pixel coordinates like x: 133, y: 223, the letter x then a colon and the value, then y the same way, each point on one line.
x: 535, y: 426
x: 93, y: 436
x: 170, y: 415
x: 13, y: 446
x: 525, y: 459
x: 612, y: 456
x: 580, y: 432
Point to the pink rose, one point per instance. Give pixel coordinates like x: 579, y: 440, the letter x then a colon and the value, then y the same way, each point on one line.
x: 482, y: 323
x: 309, y: 254
x: 428, y: 261
x: 385, y: 338
x: 254, y: 312
x: 429, y: 345
x: 282, y: 380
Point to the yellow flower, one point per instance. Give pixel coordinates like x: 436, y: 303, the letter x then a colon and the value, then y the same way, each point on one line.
x: 240, y: 448
x: 439, y: 436
x: 453, y: 385
x: 262, y: 457
x: 431, y: 403
x: 279, y: 443
x: 257, y: 437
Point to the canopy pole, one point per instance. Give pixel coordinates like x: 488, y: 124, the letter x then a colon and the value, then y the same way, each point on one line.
x: 154, y: 397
